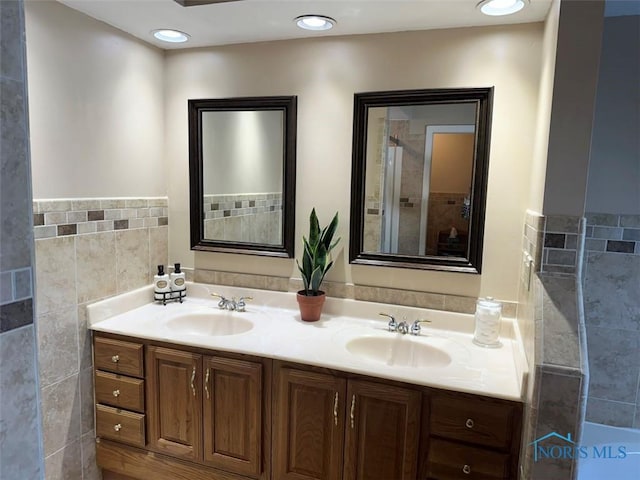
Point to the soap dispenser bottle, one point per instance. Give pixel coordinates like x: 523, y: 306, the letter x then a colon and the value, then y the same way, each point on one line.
x: 161, y: 285
x: 178, y: 285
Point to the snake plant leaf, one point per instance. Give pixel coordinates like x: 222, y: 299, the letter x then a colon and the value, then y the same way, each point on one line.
x: 305, y: 281
x: 320, y: 259
x: 314, y: 229
x: 316, y: 280
x: 329, y: 232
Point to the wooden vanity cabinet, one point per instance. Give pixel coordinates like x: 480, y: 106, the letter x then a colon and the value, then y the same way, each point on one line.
x: 328, y: 427
x: 205, y: 411
x: 167, y: 412
x: 469, y: 436
x: 119, y: 390
x: 174, y: 402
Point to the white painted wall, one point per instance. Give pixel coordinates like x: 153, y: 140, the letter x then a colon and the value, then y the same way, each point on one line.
x: 574, y: 92
x: 545, y: 98
x: 325, y: 73
x: 242, y: 151
x: 614, y: 169
x: 96, y: 107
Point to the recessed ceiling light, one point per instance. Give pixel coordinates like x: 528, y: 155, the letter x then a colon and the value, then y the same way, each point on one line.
x: 500, y: 7
x: 171, y: 36
x: 315, y: 22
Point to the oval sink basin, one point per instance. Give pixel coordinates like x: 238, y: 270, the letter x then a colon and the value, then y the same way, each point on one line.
x: 212, y: 323
x: 398, y: 352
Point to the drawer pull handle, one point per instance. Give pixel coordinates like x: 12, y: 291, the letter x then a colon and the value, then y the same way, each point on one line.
x: 117, y: 427
x: 469, y: 423
x: 193, y: 377
x: 466, y: 469
x: 116, y: 393
x: 335, y: 409
x: 115, y: 358
x: 352, y: 415
x: 206, y: 383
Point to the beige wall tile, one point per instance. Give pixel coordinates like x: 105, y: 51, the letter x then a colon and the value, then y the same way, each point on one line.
x: 132, y: 259
x: 96, y: 266
x: 65, y: 464
x: 55, y: 274
x: 57, y: 345
x: 61, y: 414
x: 86, y: 400
x: 84, y: 338
x: 158, y: 249
x: 90, y: 471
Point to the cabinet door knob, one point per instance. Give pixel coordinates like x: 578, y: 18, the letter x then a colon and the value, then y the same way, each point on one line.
x: 115, y: 358
x: 117, y: 427
x: 466, y: 469
x: 116, y: 393
x: 469, y: 423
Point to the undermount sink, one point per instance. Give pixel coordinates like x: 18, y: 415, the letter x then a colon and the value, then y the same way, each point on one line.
x: 212, y: 323
x: 398, y: 351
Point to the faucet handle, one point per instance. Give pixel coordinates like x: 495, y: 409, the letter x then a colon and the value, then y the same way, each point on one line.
x: 415, y: 328
x: 223, y: 301
x: 392, y: 325
x: 242, y: 303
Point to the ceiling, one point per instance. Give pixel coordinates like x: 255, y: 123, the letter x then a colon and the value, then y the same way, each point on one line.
x: 265, y: 20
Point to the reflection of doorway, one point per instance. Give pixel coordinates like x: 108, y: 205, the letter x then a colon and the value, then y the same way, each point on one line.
x: 391, y: 200
x: 448, y: 148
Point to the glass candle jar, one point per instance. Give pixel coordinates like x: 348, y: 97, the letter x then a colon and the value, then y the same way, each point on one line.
x: 488, y: 318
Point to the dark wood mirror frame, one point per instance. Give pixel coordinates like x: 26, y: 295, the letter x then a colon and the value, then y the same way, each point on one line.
x: 472, y: 263
x: 286, y: 104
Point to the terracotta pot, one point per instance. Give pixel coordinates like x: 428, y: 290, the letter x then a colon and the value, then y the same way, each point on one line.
x: 311, y: 306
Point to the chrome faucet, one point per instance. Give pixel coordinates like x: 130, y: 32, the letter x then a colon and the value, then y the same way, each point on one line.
x: 415, y: 328
x: 392, y: 325
x: 232, y: 304
x: 403, y: 327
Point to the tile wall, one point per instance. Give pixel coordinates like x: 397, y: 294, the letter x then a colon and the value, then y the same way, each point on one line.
x: 20, y: 422
x: 411, y: 298
x: 253, y: 217
x: 611, y: 286
x: 552, y: 325
x: 86, y: 250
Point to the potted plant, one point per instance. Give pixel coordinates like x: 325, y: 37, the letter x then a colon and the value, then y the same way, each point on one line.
x: 316, y: 262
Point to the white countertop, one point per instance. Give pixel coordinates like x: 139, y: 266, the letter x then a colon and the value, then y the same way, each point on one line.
x: 279, y: 333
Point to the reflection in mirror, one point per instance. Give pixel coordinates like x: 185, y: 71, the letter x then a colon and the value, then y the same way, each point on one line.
x: 419, y: 178
x: 242, y: 169
x: 242, y: 155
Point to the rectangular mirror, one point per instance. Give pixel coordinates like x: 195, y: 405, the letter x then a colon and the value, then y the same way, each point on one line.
x: 242, y: 175
x: 419, y: 178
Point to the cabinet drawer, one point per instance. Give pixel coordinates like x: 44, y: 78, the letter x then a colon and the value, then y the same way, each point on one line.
x: 119, y: 391
x: 477, y: 421
x: 120, y: 425
x: 118, y: 356
x: 449, y: 460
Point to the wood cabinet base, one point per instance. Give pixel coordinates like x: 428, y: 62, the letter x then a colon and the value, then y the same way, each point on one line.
x: 135, y: 463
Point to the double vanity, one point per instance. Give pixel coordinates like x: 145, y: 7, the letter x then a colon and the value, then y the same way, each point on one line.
x: 192, y: 391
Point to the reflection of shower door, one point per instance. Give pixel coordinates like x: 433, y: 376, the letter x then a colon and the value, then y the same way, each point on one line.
x: 391, y: 200
x: 426, y: 178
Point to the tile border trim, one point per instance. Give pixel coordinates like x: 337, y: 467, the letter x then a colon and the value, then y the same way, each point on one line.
x: 65, y: 217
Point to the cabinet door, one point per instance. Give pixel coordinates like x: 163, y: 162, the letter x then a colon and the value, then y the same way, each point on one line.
x: 174, y: 402
x: 308, y: 425
x: 233, y: 415
x: 382, y: 432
